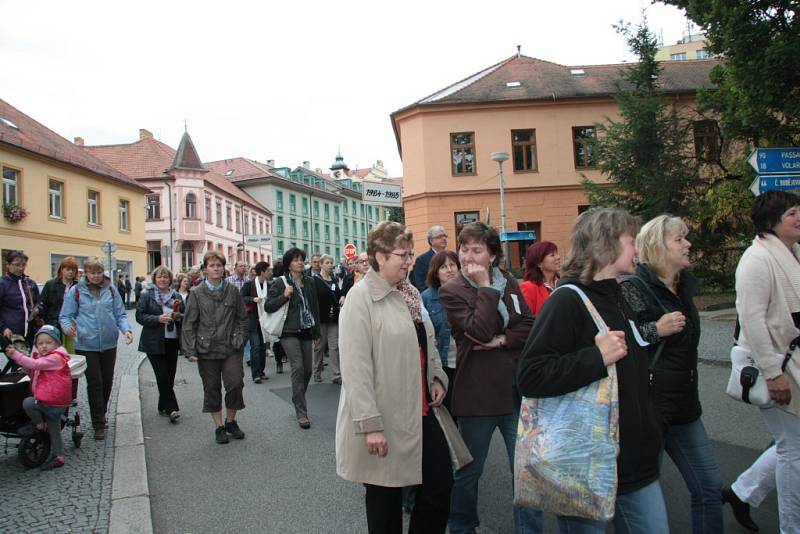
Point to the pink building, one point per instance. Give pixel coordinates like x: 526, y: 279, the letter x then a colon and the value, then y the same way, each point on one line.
x: 191, y: 209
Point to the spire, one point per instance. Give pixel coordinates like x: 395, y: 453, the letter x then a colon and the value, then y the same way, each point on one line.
x: 186, y: 157
x: 339, y: 163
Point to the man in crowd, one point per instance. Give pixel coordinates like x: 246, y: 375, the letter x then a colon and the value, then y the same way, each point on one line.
x: 238, y: 277
x: 315, y: 264
x: 437, y: 239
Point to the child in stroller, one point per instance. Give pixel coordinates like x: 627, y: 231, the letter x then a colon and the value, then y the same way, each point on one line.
x: 51, y: 387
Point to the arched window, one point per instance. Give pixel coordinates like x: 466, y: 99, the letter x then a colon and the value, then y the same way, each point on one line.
x: 191, y: 206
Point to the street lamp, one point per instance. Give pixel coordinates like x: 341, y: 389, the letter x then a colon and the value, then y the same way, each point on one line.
x: 500, y: 157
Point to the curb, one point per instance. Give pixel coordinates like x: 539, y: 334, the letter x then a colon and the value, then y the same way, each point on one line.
x: 130, y: 494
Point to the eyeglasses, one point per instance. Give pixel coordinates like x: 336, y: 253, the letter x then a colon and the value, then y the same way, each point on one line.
x: 408, y: 255
x: 440, y: 236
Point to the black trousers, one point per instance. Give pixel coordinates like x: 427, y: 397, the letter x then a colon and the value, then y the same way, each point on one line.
x: 279, y: 353
x: 432, y: 504
x: 164, y: 367
x: 99, y: 381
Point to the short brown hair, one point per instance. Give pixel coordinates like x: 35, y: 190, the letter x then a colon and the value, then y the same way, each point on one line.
x: 213, y: 255
x: 385, y: 238
x: 66, y: 263
x: 481, y: 232
x: 161, y: 269
x: 93, y: 264
x: 439, y: 259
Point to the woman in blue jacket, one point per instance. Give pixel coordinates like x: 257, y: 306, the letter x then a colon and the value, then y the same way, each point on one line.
x: 94, y: 314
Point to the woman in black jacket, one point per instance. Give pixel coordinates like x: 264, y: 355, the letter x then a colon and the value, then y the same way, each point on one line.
x: 52, y: 296
x: 328, y: 295
x: 159, y: 311
x: 661, y: 294
x: 565, y: 352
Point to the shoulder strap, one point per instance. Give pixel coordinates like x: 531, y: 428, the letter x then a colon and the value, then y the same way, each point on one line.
x: 644, y: 287
x: 598, y: 320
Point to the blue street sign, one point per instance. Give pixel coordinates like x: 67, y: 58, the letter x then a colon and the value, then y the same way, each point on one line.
x: 775, y: 160
x: 770, y: 182
x: 525, y: 235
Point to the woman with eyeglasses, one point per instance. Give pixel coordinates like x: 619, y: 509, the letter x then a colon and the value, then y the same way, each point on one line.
x: 19, y: 296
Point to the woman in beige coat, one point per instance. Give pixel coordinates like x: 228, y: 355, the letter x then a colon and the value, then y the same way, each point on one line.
x: 386, y: 434
x: 768, y: 303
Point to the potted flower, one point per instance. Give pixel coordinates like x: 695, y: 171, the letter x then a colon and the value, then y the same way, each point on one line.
x: 14, y: 213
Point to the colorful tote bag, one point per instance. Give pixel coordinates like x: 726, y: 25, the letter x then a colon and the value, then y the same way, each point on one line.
x: 567, y: 446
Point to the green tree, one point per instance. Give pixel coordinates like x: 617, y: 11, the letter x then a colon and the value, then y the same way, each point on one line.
x: 397, y: 214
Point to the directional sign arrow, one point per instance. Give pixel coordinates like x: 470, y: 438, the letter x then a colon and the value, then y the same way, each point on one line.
x: 782, y: 182
x: 775, y: 160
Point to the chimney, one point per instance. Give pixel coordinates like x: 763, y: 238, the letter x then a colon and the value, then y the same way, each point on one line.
x: 318, y: 170
x: 379, y: 164
x: 144, y: 134
x: 307, y: 165
x: 78, y: 141
x: 271, y: 162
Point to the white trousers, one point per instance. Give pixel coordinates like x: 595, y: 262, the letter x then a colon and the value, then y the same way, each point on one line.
x: 785, y: 428
x: 758, y: 481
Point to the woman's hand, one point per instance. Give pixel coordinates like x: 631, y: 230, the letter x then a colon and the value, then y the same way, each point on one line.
x: 437, y: 393
x: 71, y: 330
x: 8, y: 333
x: 192, y: 359
x: 670, y: 323
x: 478, y: 274
x: 10, y: 349
x: 128, y: 337
x: 612, y: 346
x: 377, y: 444
x: 287, y: 291
x: 779, y: 389
x: 496, y: 343
x: 165, y: 318
x: 257, y: 299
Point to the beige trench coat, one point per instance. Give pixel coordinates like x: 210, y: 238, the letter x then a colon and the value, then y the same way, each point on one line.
x: 381, y: 386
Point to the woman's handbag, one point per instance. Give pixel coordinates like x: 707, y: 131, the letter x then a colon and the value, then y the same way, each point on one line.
x: 746, y: 383
x: 567, y: 446
x: 459, y: 452
x: 272, y: 323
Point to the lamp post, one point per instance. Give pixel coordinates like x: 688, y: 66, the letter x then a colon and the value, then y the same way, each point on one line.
x: 500, y: 157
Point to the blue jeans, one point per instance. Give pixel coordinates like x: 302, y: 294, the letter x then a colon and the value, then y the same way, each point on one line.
x: 690, y: 450
x: 477, y: 433
x: 637, y: 512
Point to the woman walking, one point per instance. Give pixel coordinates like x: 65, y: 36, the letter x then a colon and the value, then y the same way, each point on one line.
x: 19, y: 296
x: 159, y: 311
x: 328, y: 295
x: 52, y: 296
x: 301, y: 327
x: 254, y: 294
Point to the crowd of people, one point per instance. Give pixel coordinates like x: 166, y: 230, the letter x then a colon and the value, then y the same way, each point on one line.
x: 453, y: 332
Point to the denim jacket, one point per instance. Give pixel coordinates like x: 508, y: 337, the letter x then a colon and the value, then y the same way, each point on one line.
x: 430, y: 298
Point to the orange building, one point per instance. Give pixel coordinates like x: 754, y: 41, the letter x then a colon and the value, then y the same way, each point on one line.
x: 541, y: 113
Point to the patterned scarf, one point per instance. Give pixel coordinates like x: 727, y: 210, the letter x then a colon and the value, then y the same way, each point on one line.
x: 412, y: 299
x: 165, y: 299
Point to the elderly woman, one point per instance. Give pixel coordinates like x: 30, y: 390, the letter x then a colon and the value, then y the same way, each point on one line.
x: 93, y: 313
x: 768, y: 304
x: 444, y: 267
x: 490, y: 322
x: 301, y: 326
x: 328, y: 296
x: 662, y: 296
x: 19, y: 296
x: 159, y: 312
x: 565, y: 352
x: 53, y: 296
x: 542, y: 265
x: 386, y: 435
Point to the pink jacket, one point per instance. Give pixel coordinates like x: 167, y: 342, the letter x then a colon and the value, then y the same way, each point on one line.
x: 51, y: 382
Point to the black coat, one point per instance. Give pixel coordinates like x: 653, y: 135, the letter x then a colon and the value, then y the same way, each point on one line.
x: 560, y: 356
x: 328, y: 300
x: 420, y: 272
x: 675, y: 388
x: 151, y: 340
x: 292, y: 325
x: 50, y: 301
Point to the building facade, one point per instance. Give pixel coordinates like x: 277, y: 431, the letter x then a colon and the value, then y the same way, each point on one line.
x: 692, y: 46
x: 191, y: 209
x: 75, y: 202
x: 544, y: 116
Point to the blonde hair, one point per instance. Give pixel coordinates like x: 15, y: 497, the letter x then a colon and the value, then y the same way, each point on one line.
x: 93, y: 264
x: 595, y: 241
x: 384, y: 238
x: 651, y: 243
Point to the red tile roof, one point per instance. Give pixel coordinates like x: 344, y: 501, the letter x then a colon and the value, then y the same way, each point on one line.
x: 35, y: 137
x: 149, y: 158
x: 241, y: 169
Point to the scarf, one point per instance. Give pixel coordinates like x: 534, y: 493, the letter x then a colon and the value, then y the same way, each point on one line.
x: 165, y: 300
x: 412, y: 299
x: 787, y: 262
x: 306, y: 318
x: 498, y: 284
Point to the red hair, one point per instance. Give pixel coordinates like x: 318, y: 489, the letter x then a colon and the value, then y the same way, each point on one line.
x: 534, y: 256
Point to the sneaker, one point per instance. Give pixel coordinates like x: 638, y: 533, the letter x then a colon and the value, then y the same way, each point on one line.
x: 174, y: 416
x: 99, y: 434
x: 232, y: 428
x: 257, y: 380
x: 53, y: 463
x: 221, y: 435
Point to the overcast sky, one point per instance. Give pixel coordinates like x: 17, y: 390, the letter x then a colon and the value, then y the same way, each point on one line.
x: 289, y: 81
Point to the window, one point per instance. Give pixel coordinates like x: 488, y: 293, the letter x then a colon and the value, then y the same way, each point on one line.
x: 523, y: 147
x: 583, y: 139
x: 305, y: 229
x: 247, y: 224
x: 338, y: 253
x: 305, y: 207
x: 680, y: 56
x: 327, y: 233
x: 93, y: 200
x: 345, y: 207
x: 316, y: 209
x: 56, y: 195
x: 187, y: 255
x: 316, y: 231
x: 363, y: 229
x: 362, y: 211
x: 124, y: 214
x: 369, y: 212
x: 702, y: 54
x: 280, y: 224
x: 706, y: 140
x: 153, y: 255
x: 355, y: 211
x: 238, y: 221
x: 292, y: 228
x: 153, y: 205
x: 355, y: 229
x: 292, y: 204
x: 327, y: 212
x: 338, y: 236
x: 191, y: 206
x: 279, y: 199
x: 260, y: 225
x: 281, y: 249
x: 219, y: 213
x: 208, y: 211
x: 10, y: 186
x: 346, y: 227
x: 328, y: 250
x: 583, y: 207
x: 462, y: 151
x: 465, y: 217
x: 228, y: 217
x: 336, y: 214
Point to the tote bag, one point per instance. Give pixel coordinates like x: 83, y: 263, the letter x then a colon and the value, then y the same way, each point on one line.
x: 567, y: 446
x: 272, y: 323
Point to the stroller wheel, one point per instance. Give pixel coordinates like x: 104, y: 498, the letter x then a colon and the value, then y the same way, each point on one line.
x: 34, y: 450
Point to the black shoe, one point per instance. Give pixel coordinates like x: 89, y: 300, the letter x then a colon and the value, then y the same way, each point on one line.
x: 221, y: 435
x: 280, y: 368
x: 99, y: 433
x: 232, y: 428
x: 741, y: 510
x: 163, y: 413
x: 257, y: 379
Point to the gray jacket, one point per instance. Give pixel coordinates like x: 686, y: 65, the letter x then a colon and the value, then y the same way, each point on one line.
x: 275, y: 300
x: 215, y: 323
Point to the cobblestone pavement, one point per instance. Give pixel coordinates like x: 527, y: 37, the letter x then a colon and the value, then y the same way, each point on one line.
x: 77, y: 497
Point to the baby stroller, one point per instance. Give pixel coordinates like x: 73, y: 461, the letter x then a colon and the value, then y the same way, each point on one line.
x: 14, y: 388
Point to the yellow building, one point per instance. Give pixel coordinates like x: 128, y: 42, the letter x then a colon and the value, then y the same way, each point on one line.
x: 74, y: 201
